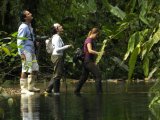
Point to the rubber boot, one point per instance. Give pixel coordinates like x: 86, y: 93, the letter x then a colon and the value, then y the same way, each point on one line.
x: 31, y: 83
x: 24, y: 87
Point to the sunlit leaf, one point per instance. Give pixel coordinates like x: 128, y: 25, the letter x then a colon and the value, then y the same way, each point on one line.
x: 6, y: 50
x: 14, y: 34
x: 132, y: 5
x: 132, y: 61
x: 22, y: 38
x: 14, y: 54
x: 152, y: 72
x: 101, y: 52
x: 117, y: 12
x: 120, y: 63
x: 146, y: 66
x: 144, y: 20
x: 12, y: 59
x: 137, y: 37
x: 7, y: 38
x: 13, y: 45
x: 123, y: 26
x: 92, y: 6
x: 154, y: 39
x: 131, y: 45
x: 10, y: 101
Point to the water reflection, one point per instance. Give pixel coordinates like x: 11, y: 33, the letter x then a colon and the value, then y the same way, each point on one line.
x: 52, y: 108
x: 56, y: 108
x: 84, y: 107
x: 113, y: 104
x: 30, y: 107
x: 155, y: 109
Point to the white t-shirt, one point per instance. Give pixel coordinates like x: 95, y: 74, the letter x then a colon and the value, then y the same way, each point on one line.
x: 58, y: 44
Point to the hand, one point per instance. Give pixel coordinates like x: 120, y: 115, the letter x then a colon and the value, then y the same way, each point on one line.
x: 23, y: 57
x: 98, y: 53
x: 37, y: 43
x: 104, y: 52
x: 70, y: 46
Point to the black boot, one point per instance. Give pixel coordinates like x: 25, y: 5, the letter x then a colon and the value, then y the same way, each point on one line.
x: 50, y: 86
x: 78, y: 87
x: 56, y: 86
x: 99, y: 86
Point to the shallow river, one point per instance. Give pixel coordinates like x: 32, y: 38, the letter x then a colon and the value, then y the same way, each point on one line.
x: 116, y: 103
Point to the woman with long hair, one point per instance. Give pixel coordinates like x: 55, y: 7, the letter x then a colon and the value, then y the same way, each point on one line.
x: 89, y: 64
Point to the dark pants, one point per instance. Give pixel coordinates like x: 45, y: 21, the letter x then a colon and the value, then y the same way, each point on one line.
x: 57, y: 73
x: 94, y: 69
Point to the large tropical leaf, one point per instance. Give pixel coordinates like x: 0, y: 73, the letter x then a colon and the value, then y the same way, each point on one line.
x: 92, y: 6
x: 137, y: 37
x: 146, y: 66
x: 132, y: 61
x: 131, y: 5
x: 143, y: 12
x: 131, y: 45
x: 154, y: 39
x: 117, y: 12
x: 120, y: 63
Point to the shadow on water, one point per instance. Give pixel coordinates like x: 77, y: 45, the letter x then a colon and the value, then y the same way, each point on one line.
x: 113, y: 104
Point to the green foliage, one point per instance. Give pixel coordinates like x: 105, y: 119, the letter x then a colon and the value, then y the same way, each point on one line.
x: 155, y: 91
x: 155, y: 109
x: 8, y: 46
x: 8, y: 53
x: 132, y: 61
x: 146, y: 66
x: 101, y: 52
x: 147, y: 38
x: 135, y: 23
x: 132, y: 27
x: 117, y: 12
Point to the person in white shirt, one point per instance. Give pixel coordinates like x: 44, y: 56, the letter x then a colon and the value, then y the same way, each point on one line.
x: 57, y: 59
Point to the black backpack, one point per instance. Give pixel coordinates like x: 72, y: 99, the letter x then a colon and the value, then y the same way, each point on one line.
x: 78, y: 55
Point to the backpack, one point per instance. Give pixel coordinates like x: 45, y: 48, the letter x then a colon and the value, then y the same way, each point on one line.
x: 49, y: 46
x: 78, y: 55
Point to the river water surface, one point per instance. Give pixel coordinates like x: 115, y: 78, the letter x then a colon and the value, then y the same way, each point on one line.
x: 116, y: 103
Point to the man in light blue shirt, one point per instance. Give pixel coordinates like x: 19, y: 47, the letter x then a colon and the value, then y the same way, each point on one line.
x: 26, y: 50
x: 25, y: 30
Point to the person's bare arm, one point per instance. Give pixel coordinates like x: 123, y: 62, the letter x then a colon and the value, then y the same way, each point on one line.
x: 90, y: 50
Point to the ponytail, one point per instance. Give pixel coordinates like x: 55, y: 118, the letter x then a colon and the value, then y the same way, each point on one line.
x: 93, y: 31
x: 90, y: 32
